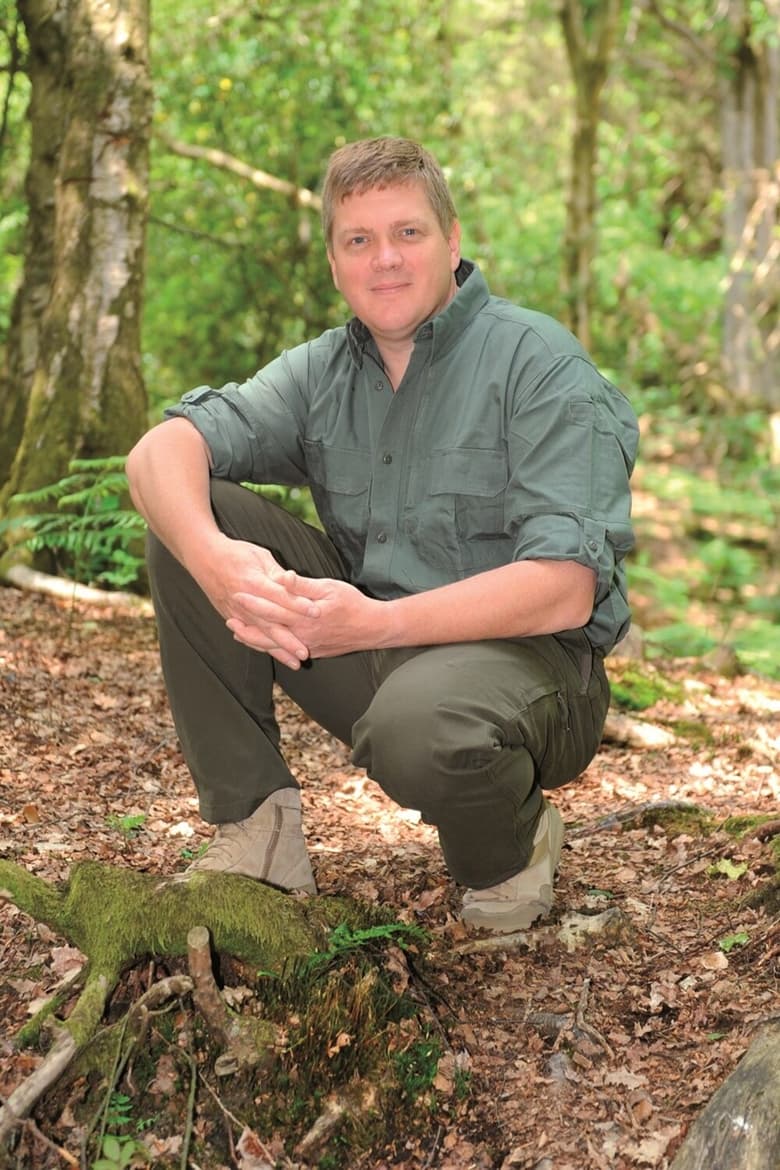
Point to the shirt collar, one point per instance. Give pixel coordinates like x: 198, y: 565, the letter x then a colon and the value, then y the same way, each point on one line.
x: 446, y: 327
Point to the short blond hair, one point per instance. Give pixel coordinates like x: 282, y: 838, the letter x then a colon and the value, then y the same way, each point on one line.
x: 384, y: 162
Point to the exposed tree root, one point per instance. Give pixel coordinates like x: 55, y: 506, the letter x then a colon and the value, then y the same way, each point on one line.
x: 246, y: 1041
x: 116, y: 917
x: 356, y: 1104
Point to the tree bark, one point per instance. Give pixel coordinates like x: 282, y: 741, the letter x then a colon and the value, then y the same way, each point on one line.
x: 590, y: 32
x: 74, y: 384
x: 739, y: 1129
x: 46, y: 25
x: 751, y: 166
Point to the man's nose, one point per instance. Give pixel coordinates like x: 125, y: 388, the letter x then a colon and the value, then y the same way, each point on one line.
x: 387, y: 254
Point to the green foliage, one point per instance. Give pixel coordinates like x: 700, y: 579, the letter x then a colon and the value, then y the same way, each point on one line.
x: 296, y: 500
x: 725, y: 867
x: 127, y: 825
x: 14, y: 96
x: 416, y: 1066
x: 119, y: 1150
x: 731, y: 941
x: 237, y: 271
x: 344, y: 940
x: 93, y: 533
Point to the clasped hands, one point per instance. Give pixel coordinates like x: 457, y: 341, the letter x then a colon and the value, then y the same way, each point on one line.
x: 290, y: 617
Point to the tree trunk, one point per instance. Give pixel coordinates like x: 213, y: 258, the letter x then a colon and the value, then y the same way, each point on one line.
x: 590, y: 32
x: 751, y: 162
x: 739, y: 1129
x: 74, y: 354
x: 46, y: 113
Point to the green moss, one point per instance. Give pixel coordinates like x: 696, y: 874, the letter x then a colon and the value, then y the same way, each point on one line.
x: 677, y: 819
x: 635, y: 688
x: 692, y: 731
x: 740, y: 825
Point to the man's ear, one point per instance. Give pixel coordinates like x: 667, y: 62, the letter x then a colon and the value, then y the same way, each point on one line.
x: 453, y: 241
x: 332, y: 263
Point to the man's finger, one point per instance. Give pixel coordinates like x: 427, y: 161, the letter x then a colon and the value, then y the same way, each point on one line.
x: 267, y: 608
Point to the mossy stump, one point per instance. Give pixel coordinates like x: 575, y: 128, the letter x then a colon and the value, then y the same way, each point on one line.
x: 118, y: 918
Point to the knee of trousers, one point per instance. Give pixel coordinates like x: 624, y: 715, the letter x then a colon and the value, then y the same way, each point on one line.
x: 422, y: 754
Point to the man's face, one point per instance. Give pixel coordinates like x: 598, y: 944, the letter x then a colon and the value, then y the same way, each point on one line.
x: 391, y: 261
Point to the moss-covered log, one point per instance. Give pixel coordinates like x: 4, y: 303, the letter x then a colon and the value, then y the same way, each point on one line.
x: 739, y: 1129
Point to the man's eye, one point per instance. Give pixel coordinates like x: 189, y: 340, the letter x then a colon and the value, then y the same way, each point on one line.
x: 357, y: 240
x: 409, y: 231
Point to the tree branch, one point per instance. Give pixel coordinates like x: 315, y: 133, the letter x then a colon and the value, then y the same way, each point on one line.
x: 684, y: 33
x: 228, y: 162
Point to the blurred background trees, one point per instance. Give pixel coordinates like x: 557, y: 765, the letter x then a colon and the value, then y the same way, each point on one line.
x: 614, y: 163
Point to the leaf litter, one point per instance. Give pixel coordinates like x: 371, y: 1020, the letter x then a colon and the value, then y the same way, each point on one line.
x: 562, y: 1055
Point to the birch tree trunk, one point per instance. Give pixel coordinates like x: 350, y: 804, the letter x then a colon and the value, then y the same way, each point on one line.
x: 74, y: 354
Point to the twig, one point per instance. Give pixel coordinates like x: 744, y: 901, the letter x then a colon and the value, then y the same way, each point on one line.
x: 113, y: 1080
x: 301, y: 196
x: 634, y: 813
x: 583, y: 1025
x: 160, y: 992
x: 246, y: 1041
x: 689, y: 861
x: 187, y: 1136
x: 429, y: 1160
x: 66, y: 1155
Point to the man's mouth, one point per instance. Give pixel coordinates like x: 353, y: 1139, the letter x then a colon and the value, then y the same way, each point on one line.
x: 390, y: 287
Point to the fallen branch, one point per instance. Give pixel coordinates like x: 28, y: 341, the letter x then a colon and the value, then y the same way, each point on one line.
x: 626, y: 731
x: 23, y: 577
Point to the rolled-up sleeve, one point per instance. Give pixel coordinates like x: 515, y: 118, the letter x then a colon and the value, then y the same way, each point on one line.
x: 573, y: 444
x: 253, y: 429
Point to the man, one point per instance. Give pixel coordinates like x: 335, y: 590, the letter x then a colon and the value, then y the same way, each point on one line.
x: 470, y: 467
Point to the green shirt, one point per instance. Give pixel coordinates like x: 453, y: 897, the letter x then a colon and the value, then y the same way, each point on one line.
x: 502, y: 443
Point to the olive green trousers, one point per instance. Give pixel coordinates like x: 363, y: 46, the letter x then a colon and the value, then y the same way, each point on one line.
x: 467, y: 733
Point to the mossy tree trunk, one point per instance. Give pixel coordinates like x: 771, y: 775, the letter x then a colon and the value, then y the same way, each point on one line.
x: 73, y: 386
x: 46, y: 114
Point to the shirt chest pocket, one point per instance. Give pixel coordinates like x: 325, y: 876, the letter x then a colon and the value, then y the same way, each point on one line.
x: 462, y: 509
x: 339, y: 479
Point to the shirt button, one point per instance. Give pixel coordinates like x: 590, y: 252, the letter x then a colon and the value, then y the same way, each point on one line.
x: 382, y: 538
x: 379, y: 385
x: 593, y: 545
x: 387, y: 458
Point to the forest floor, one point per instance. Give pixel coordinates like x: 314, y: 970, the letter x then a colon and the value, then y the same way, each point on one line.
x: 668, y: 1002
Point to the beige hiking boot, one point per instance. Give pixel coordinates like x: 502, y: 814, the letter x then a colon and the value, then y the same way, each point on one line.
x: 268, y: 845
x: 520, y: 900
